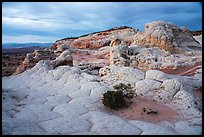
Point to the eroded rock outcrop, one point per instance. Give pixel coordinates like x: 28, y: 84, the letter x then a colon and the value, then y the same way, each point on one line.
x: 97, y: 40
x: 33, y: 58
x: 64, y: 59
x: 61, y: 55
x: 166, y: 35
x: 119, y: 53
x: 147, y: 58
x: 161, y: 86
x: 65, y: 41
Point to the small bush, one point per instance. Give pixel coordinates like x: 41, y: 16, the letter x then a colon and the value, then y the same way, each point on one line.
x: 125, y: 89
x: 114, y: 99
x: 117, y: 98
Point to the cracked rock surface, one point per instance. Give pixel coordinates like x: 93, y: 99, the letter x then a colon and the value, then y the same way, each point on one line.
x: 66, y: 100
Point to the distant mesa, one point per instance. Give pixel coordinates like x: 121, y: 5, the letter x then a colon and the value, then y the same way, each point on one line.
x: 196, y: 32
x: 23, y: 47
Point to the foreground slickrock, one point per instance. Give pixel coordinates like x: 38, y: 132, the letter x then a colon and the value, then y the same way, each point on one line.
x: 66, y: 100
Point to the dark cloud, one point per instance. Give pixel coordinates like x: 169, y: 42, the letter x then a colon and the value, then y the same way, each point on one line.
x: 73, y: 19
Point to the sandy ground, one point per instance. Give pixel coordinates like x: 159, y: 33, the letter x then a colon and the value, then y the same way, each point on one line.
x: 135, y: 111
x: 84, y: 58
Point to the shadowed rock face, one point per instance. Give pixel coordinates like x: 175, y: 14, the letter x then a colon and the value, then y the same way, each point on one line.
x: 166, y: 35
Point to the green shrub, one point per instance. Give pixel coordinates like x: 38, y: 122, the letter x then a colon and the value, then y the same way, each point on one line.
x: 117, y: 98
x: 114, y: 100
x: 125, y: 89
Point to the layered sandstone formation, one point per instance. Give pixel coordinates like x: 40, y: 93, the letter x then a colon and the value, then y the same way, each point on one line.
x: 98, y: 39
x: 162, y: 46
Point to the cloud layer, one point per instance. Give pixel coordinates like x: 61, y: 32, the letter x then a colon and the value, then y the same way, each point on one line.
x: 67, y: 19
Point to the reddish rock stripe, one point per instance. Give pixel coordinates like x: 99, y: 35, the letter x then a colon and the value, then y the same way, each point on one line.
x: 182, y: 70
x: 191, y: 71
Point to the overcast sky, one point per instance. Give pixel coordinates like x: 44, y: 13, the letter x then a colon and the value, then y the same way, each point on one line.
x: 48, y: 22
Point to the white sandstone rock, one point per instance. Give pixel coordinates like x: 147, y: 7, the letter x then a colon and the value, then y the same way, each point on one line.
x: 65, y: 58
x: 146, y: 85
x: 170, y: 88
x: 157, y: 75
x: 119, y: 53
x: 111, y: 125
x: 153, y: 129
x: 127, y: 74
x: 66, y: 125
x: 65, y: 100
x: 185, y: 128
x: 198, y: 38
